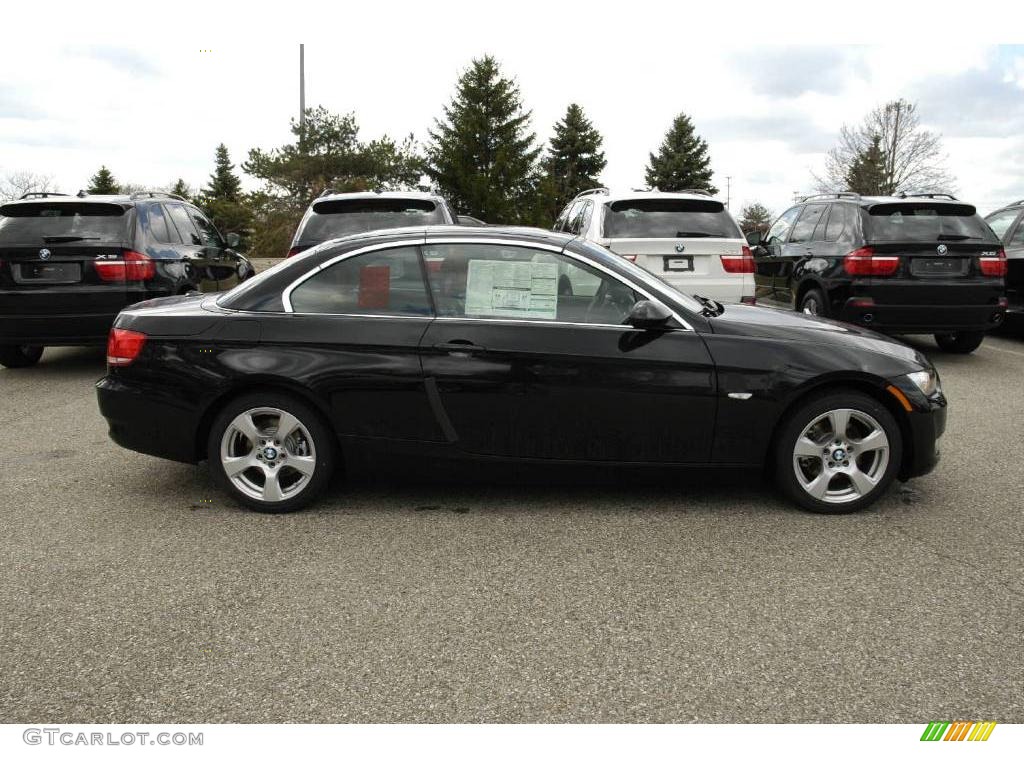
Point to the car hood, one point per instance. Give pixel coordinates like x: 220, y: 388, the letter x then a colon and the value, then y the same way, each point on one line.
x: 766, y: 323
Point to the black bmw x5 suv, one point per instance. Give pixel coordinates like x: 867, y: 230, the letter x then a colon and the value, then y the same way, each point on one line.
x: 70, y: 263
x: 922, y: 264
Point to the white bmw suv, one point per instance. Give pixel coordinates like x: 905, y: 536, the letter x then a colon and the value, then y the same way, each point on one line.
x: 688, y: 239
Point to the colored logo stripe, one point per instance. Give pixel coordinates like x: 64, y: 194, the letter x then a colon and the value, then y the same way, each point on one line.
x: 958, y: 730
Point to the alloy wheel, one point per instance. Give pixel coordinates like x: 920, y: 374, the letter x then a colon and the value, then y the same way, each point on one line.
x: 268, y: 454
x: 841, y: 455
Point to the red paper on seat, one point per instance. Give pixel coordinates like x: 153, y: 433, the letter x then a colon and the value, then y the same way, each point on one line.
x: 374, y: 286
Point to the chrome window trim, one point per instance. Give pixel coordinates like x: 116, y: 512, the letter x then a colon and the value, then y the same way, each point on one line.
x: 456, y: 240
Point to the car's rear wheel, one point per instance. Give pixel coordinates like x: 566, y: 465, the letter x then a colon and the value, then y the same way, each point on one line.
x: 271, y: 452
x: 838, y: 453
x: 960, y: 342
x: 813, y: 303
x: 19, y: 356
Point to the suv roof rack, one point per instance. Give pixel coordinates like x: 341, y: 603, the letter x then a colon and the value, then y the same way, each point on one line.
x: 594, y: 191
x: 930, y: 195
x: 30, y: 195
x: 146, y: 193
x: 832, y: 196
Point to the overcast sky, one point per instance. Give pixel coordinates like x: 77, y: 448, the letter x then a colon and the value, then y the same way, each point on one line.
x: 153, y: 103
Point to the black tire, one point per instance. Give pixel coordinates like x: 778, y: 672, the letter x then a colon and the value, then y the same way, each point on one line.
x: 960, y: 342
x: 814, y: 303
x: 323, y: 444
x: 24, y: 356
x: 784, y: 461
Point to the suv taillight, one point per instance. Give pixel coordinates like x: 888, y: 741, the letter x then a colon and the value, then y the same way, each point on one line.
x: 743, y: 263
x: 295, y: 250
x: 864, y: 261
x: 123, y: 346
x: 993, y: 266
x: 131, y: 267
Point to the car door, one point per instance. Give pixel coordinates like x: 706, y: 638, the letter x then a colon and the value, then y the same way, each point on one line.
x: 355, y: 330
x: 222, y: 263
x: 1013, y: 240
x: 768, y: 254
x: 193, y: 251
x: 519, y: 369
x: 798, y: 248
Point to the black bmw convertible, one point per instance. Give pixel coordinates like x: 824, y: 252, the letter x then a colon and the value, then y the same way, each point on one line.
x: 508, y: 344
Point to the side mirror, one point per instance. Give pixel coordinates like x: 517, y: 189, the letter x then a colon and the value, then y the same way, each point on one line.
x: 647, y: 315
x: 233, y: 239
x: 754, y: 238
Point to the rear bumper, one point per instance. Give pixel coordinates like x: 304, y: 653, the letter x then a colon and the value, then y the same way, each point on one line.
x: 141, y: 420
x: 725, y: 289
x: 926, y: 427
x: 922, y: 318
x: 56, y: 329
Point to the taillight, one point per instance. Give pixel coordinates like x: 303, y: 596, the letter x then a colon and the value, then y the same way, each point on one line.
x: 630, y: 257
x: 295, y: 250
x: 993, y: 266
x: 131, y: 267
x: 123, y: 346
x: 739, y: 262
x: 864, y: 261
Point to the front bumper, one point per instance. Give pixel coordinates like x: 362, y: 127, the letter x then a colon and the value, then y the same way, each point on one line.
x: 141, y: 420
x: 926, y: 424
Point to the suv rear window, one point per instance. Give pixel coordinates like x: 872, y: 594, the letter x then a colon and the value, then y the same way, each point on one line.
x: 913, y: 222
x: 337, y: 218
x: 669, y: 217
x: 55, y: 222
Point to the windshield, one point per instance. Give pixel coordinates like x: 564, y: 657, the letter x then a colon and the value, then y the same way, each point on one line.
x: 337, y: 218
x: 668, y: 218
x: 56, y: 222
x: 914, y: 222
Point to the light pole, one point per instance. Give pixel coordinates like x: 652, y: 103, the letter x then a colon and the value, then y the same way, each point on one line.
x: 302, y: 93
x: 728, y: 190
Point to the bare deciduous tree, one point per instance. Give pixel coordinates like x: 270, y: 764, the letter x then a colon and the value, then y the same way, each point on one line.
x: 913, y: 159
x: 16, y: 183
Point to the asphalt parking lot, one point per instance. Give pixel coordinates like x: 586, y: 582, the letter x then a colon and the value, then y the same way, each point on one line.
x: 135, y: 593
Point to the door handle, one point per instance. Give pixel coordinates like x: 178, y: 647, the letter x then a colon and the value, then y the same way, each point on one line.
x: 459, y: 348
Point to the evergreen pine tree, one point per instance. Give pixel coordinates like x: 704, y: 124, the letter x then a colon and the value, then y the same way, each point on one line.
x: 103, y: 183
x: 482, y: 156
x: 866, y: 174
x: 222, y: 198
x: 682, y: 161
x: 181, y: 189
x: 755, y: 218
x: 574, y: 160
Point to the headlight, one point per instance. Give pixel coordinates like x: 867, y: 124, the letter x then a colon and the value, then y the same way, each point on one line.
x: 926, y: 381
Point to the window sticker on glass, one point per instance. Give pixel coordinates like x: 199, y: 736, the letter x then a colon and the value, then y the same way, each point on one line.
x: 512, y: 289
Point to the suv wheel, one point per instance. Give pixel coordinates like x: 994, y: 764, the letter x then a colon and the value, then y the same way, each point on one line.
x: 961, y: 342
x: 14, y: 356
x: 838, y: 453
x: 813, y: 303
x: 271, y: 452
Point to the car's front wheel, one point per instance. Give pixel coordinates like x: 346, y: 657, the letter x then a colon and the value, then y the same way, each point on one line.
x: 271, y: 452
x: 961, y: 342
x: 23, y: 356
x: 838, y: 452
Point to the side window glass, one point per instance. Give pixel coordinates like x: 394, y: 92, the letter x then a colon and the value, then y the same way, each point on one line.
x: 520, y: 283
x: 1002, y: 221
x: 207, y: 232
x: 803, y: 230
x: 777, y: 234
x: 1017, y: 240
x: 157, y: 224
x: 172, y: 232
x: 840, y: 223
x: 563, y: 219
x: 183, y: 224
x: 584, y: 218
x: 573, y: 218
x: 387, y: 282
